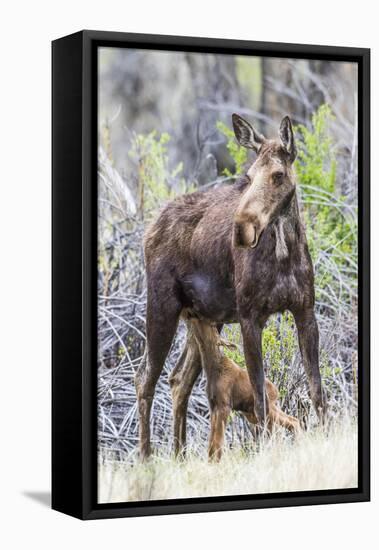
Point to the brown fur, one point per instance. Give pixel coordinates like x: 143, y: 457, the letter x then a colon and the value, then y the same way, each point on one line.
x: 229, y: 388
x: 237, y: 253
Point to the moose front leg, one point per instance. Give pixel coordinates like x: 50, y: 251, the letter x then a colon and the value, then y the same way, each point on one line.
x: 307, y: 330
x: 252, y: 345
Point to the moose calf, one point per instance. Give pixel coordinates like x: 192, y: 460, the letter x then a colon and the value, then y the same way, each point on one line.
x: 229, y: 388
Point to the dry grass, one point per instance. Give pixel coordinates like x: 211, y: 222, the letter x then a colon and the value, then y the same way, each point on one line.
x: 315, y: 460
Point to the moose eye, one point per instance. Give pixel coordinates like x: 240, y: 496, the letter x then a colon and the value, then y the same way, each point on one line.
x: 278, y: 178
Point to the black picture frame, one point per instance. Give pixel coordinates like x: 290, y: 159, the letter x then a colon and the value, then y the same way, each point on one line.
x: 74, y: 332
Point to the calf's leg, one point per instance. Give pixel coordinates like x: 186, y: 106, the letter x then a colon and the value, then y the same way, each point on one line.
x: 182, y: 379
x: 277, y: 416
x: 219, y: 417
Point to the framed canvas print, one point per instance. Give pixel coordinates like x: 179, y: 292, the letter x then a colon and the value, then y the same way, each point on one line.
x: 210, y: 274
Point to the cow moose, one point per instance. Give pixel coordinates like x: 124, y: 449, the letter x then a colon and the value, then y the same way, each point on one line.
x: 237, y: 253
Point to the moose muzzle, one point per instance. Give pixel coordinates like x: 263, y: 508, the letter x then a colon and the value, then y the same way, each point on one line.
x: 246, y: 234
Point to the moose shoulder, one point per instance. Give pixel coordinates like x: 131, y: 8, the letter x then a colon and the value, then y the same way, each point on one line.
x: 237, y: 253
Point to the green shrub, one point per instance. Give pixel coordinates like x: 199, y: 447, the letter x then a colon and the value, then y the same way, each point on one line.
x: 331, y: 223
x: 156, y: 181
x: 232, y: 333
x: 316, y: 160
x: 279, y: 344
x: 238, y: 153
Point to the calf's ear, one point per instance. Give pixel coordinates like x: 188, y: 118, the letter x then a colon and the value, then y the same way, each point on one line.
x: 245, y: 134
x: 287, y: 138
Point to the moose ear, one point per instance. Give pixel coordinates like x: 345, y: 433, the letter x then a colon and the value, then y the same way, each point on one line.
x: 287, y: 138
x: 245, y: 134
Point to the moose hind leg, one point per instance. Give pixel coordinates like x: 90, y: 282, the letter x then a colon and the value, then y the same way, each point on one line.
x: 161, y: 322
x: 182, y: 380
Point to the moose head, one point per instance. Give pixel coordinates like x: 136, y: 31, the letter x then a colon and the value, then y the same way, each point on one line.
x: 272, y: 180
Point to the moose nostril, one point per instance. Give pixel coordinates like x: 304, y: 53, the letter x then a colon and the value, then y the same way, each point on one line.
x: 238, y: 240
x: 254, y: 238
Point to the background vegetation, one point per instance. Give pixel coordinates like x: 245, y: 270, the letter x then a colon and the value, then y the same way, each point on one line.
x: 165, y: 130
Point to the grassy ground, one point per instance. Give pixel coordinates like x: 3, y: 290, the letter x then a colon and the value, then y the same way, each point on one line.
x: 317, y: 459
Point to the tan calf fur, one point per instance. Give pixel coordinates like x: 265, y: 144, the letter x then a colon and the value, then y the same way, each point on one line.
x: 229, y: 388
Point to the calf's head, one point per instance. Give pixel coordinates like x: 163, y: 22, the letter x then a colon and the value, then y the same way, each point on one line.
x: 272, y: 180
